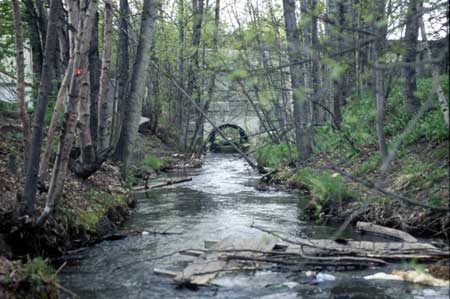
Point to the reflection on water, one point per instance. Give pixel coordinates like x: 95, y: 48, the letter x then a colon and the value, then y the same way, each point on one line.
x: 220, y: 201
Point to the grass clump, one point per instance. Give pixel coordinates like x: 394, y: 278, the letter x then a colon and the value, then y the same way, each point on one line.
x: 156, y: 163
x: 274, y: 155
x: 326, y: 190
x: 323, y: 186
x: 38, y: 269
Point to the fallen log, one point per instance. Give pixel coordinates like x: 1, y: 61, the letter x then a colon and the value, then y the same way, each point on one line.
x: 385, y: 231
x: 143, y: 189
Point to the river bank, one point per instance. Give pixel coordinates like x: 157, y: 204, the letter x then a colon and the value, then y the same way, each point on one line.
x: 332, y: 189
x: 220, y: 202
x: 90, y: 209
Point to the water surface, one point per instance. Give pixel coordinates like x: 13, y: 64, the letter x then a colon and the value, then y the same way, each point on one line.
x: 220, y: 201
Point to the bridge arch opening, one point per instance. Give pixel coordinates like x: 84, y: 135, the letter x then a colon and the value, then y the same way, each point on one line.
x: 234, y: 133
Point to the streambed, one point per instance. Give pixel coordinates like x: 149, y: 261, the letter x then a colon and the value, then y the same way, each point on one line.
x: 220, y: 201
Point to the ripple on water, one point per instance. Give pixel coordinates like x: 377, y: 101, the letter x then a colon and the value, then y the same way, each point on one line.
x: 219, y: 202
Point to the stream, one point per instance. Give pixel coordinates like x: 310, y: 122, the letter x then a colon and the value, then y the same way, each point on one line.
x: 220, y: 201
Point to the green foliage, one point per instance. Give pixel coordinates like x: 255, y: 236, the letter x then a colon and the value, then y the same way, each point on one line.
x: 156, y: 163
x: 274, y: 155
x: 323, y: 186
x: 85, y: 220
x: 369, y: 164
x: 358, y: 119
x: 326, y: 189
x: 430, y: 128
x: 38, y: 270
x: 6, y: 32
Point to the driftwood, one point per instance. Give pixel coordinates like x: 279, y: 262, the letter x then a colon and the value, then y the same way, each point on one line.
x: 231, y: 254
x: 386, y: 231
x: 383, y: 250
x: 143, y: 189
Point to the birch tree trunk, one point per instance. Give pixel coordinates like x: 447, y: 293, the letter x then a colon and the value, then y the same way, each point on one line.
x: 45, y: 88
x: 73, y: 17
x: 81, y: 62
x: 435, y: 75
x: 103, y: 102
x: 137, y: 87
x: 20, y: 83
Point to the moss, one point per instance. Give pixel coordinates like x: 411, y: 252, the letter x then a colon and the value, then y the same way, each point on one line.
x: 85, y: 220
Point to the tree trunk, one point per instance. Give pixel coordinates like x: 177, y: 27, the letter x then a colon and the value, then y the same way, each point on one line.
x: 73, y: 15
x: 62, y: 94
x: 412, y: 103
x: 35, y: 44
x: 379, y: 48
x: 212, y: 82
x: 103, y: 102
x: 45, y: 88
x: 123, y: 70
x: 435, y: 74
x: 82, y: 45
x: 180, y: 110
x: 315, y: 65
x: 137, y: 88
x: 20, y: 84
x: 94, y: 81
x: 192, y: 81
x: 302, y: 138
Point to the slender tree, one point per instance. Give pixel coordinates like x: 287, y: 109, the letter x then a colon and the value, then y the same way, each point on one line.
x: 94, y: 78
x: 192, y: 77
x: 412, y: 102
x: 45, y: 88
x: 123, y: 71
x: 78, y: 84
x: 435, y: 75
x: 103, y: 102
x: 380, y: 30
x: 137, y: 89
x: 20, y: 85
x: 303, y: 139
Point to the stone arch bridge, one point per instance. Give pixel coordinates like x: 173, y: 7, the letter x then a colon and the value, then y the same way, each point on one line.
x: 231, y: 108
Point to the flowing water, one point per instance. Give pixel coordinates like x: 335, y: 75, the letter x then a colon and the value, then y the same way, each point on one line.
x: 220, y: 201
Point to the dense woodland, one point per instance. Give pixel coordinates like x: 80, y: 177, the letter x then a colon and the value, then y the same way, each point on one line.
x: 330, y: 80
